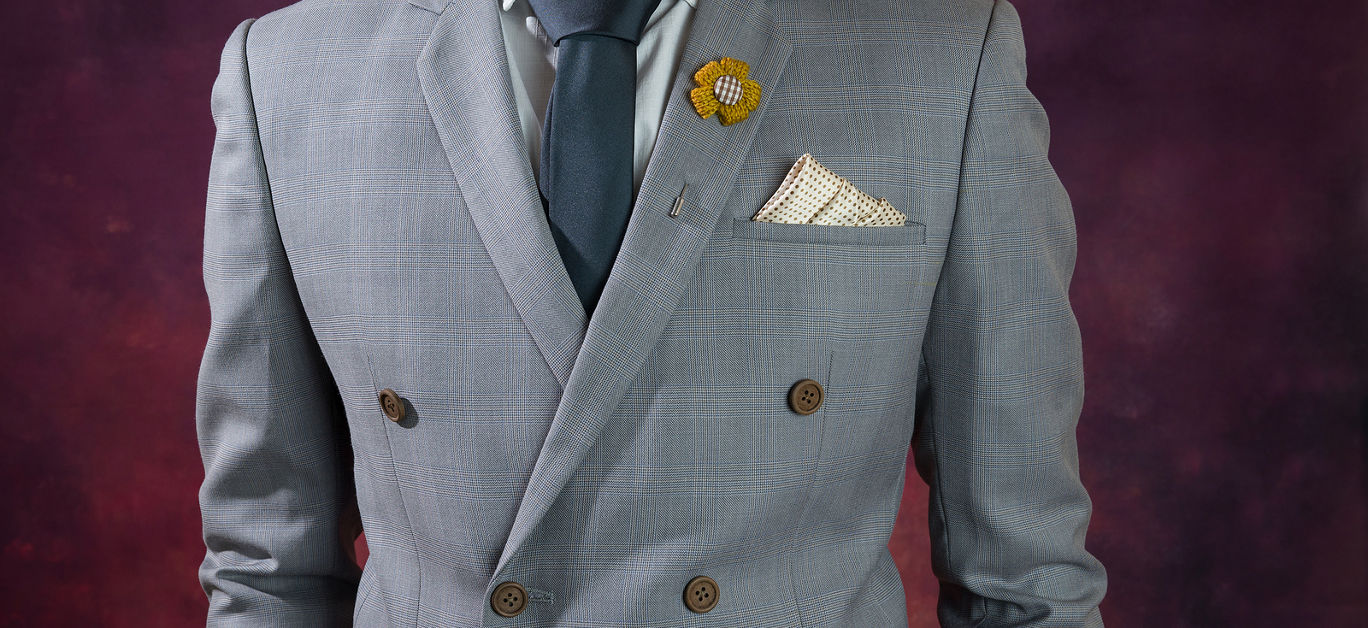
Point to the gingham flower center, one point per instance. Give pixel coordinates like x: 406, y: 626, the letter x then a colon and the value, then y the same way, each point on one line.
x: 727, y: 88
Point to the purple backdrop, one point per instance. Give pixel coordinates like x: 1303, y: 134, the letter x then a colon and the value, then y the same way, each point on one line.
x: 1215, y: 155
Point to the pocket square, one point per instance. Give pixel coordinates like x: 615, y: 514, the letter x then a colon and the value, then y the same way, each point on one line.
x: 813, y: 194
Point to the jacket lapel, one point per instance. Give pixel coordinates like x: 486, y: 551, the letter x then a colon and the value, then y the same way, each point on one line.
x: 659, y: 252
x: 463, y: 70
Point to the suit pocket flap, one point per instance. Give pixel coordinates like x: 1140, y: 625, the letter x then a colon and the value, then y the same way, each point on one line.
x: 909, y: 234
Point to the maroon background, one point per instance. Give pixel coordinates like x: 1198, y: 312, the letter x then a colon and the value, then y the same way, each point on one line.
x: 1215, y: 156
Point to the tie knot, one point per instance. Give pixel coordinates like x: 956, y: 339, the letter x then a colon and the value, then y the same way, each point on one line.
x: 623, y: 19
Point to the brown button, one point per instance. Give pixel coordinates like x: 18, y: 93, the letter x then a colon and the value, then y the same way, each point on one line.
x: 805, y: 396
x: 701, y: 594
x: 509, y: 599
x: 392, y: 404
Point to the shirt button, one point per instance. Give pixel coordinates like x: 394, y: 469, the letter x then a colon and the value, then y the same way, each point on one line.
x: 509, y: 599
x: 805, y: 396
x: 392, y: 404
x: 700, y: 595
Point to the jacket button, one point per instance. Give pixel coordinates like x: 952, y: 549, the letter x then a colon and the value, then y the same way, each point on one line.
x: 700, y: 595
x: 392, y: 404
x: 509, y: 599
x: 805, y: 396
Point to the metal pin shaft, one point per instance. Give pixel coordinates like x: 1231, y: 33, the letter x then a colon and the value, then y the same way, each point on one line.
x: 679, y: 201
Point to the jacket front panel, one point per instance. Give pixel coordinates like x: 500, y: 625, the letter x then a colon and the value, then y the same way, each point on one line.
x: 702, y: 467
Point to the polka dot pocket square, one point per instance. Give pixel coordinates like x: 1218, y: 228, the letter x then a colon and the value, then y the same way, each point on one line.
x: 812, y: 194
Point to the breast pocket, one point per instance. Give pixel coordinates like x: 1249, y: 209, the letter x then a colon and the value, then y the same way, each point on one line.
x: 906, y: 235
x: 782, y: 283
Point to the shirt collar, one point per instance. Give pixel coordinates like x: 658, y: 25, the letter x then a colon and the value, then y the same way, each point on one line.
x: 508, y: 4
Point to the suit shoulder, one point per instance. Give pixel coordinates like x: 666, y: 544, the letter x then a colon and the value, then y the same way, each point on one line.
x: 958, y: 11
x: 302, y: 25
x: 315, y: 51
x: 968, y: 16
x: 962, y: 21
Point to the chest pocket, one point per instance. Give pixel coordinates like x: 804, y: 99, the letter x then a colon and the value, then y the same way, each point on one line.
x: 785, y: 283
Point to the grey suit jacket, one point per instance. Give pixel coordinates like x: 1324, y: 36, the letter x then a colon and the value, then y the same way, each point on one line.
x: 373, y: 223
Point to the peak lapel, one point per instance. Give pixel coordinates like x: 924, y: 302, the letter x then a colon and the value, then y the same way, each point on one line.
x: 659, y: 252
x: 463, y: 70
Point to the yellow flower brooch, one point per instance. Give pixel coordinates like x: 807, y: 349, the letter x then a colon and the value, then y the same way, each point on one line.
x: 723, y: 88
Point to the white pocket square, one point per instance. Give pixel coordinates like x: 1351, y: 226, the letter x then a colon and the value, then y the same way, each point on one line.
x: 812, y: 194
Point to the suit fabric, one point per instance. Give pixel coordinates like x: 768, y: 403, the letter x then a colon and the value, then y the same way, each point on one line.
x: 373, y: 222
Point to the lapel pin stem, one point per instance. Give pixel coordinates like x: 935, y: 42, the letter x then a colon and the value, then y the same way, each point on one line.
x: 679, y: 201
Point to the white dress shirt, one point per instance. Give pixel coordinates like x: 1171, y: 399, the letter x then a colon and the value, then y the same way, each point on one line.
x: 532, y: 65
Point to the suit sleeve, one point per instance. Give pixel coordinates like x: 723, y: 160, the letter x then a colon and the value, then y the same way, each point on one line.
x: 1001, y: 380
x: 276, y: 500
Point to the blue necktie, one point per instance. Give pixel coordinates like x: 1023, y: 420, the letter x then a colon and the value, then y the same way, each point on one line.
x: 586, y: 154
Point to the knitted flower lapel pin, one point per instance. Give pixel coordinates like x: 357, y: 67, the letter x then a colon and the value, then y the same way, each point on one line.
x: 724, y: 89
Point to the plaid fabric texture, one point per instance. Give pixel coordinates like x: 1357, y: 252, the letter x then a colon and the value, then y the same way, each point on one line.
x: 727, y: 89
x: 372, y: 222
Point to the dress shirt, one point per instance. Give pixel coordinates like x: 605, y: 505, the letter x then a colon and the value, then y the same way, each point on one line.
x: 532, y: 66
